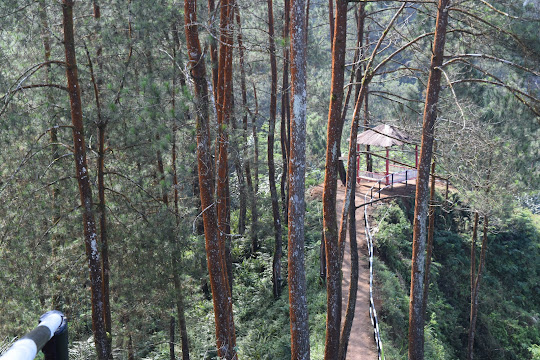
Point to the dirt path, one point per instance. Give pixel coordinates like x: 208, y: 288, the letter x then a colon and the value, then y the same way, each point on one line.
x: 361, y: 344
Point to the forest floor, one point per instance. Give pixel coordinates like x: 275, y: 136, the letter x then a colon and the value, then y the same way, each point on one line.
x: 361, y: 343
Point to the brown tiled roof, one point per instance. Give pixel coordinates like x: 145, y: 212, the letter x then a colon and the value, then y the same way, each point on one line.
x: 377, y: 136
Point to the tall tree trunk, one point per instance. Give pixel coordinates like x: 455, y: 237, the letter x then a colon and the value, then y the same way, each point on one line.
x: 101, y: 126
x: 255, y: 142
x: 473, y: 253
x: 215, y: 249
x: 470, y: 343
x: 85, y: 190
x: 180, y: 309
x: 476, y: 290
x: 245, y: 111
x: 416, y: 314
x: 355, y: 71
x: 224, y: 103
x: 360, y: 42
x: 242, y: 211
x: 297, y: 170
x: 159, y: 158
x: 276, y: 264
x: 213, y: 45
x: 333, y: 264
x: 239, y: 170
x: 285, y: 114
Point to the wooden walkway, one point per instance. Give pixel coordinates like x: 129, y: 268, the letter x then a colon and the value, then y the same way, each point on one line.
x: 361, y: 344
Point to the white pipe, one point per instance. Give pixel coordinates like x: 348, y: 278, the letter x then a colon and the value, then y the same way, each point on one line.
x: 26, y: 348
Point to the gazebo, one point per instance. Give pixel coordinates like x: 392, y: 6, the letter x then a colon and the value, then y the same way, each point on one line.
x: 384, y: 136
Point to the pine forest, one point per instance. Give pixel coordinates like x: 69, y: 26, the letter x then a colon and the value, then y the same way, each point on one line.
x: 270, y: 179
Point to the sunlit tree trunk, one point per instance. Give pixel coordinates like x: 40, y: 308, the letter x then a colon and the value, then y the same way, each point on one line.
x: 297, y: 170
x: 416, y: 313
x: 85, y: 190
x: 215, y: 250
x: 333, y: 264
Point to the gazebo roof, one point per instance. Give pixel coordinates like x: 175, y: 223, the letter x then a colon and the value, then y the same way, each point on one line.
x: 375, y: 137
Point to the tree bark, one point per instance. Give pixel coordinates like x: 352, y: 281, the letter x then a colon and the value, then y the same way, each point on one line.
x: 285, y: 114
x: 85, y: 190
x: 297, y: 169
x: 245, y: 111
x: 213, y: 45
x: 224, y: 103
x: 276, y: 263
x: 101, y: 126
x: 215, y: 249
x: 333, y: 263
x: 416, y: 314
